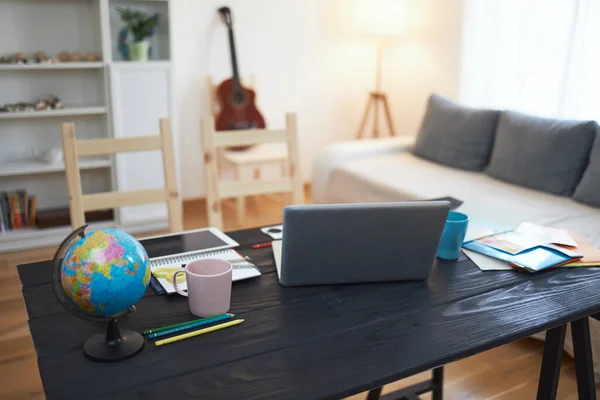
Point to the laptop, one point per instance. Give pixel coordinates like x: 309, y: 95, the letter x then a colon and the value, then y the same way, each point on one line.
x: 355, y: 243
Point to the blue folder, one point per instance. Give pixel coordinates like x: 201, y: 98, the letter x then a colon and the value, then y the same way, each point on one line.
x: 533, y: 260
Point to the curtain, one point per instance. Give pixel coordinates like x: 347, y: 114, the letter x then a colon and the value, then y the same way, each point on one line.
x: 535, y: 56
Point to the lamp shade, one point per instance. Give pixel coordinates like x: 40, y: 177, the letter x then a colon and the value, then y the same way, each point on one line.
x: 380, y: 17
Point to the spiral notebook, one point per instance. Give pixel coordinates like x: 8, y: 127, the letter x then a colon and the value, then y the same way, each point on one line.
x: 242, y: 268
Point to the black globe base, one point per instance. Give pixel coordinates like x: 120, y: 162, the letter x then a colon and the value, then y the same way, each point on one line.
x: 116, y: 345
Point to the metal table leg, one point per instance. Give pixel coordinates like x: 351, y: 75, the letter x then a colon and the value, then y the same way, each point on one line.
x: 584, y: 365
x: 374, y: 394
x: 550, y: 371
x: 437, y: 384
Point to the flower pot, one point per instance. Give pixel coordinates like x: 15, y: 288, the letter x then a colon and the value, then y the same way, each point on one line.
x: 138, y: 51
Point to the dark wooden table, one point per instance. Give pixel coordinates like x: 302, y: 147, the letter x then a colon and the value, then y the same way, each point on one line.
x: 319, y: 342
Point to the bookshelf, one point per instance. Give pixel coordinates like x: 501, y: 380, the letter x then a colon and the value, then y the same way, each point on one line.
x: 108, y: 98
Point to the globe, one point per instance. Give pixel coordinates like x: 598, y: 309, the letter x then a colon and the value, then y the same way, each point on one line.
x: 100, y: 275
x: 105, y: 272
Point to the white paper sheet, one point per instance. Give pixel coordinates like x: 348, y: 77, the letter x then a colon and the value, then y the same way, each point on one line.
x: 486, y: 263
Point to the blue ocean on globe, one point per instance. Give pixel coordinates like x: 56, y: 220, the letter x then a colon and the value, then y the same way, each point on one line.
x: 105, y: 272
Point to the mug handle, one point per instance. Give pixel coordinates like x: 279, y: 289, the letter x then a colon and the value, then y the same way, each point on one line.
x: 181, y: 292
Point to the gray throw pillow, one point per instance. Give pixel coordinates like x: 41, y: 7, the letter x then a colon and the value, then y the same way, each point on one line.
x: 541, y: 153
x: 588, y: 190
x: 456, y: 136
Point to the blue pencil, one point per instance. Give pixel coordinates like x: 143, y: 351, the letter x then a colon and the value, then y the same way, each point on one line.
x: 191, y: 325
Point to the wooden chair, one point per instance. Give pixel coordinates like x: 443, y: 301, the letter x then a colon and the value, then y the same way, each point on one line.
x: 80, y: 203
x: 261, y: 155
x: 212, y: 141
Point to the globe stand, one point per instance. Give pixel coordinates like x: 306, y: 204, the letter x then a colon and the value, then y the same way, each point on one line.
x: 116, y: 345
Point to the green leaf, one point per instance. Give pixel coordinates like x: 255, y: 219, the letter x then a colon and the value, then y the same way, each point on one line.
x: 139, y: 23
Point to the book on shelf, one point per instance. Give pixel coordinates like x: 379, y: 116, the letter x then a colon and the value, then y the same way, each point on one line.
x: 32, y: 211
x: 24, y: 207
x: 4, y: 223
x: 15, y: 210
x: 18, y: 210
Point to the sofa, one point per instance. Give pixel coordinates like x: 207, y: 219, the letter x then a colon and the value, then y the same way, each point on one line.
x: 506, y: 167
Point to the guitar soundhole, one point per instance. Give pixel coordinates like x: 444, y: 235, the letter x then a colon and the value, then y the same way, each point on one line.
x: 237, y: 98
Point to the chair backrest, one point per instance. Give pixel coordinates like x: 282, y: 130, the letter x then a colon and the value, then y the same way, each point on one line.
x: 212, y: 140
x: 80, y: 203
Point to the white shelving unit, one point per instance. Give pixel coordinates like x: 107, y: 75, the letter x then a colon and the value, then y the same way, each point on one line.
x: 64, y: 112
x: 39, y: 167
x: 109, y: 98
x: 64, y: 65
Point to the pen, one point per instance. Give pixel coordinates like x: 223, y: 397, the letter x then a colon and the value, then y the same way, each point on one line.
x: 261, y: 245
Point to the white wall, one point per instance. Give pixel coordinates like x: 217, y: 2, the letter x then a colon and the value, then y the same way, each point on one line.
x: 308, y: 60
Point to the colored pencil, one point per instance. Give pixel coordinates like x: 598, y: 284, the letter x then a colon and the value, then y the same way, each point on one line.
x: 204, y: 322
x: 198, y: 332
x: 164, y: 328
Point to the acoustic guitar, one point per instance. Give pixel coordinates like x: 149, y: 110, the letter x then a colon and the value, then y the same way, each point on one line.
x: 237, y: 104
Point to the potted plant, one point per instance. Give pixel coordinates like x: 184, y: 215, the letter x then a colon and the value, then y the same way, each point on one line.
x: 141, y: 25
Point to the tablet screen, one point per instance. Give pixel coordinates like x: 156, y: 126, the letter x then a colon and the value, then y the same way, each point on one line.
x: 181, y: 243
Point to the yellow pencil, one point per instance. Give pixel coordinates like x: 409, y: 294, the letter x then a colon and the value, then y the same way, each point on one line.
x: 198, y: 332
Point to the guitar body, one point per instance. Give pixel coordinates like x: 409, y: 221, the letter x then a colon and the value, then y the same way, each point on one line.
x: 237, y: 112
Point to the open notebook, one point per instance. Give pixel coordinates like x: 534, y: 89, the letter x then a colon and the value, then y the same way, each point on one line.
x: 242, y: 269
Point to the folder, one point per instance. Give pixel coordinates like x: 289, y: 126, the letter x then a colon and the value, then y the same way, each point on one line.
x: 533, y: 260
x: 590, y: 253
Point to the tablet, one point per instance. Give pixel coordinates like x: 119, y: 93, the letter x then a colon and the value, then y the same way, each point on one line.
x: 196, y: 241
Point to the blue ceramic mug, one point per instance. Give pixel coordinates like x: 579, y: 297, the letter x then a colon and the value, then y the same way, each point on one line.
x: 453, y: 236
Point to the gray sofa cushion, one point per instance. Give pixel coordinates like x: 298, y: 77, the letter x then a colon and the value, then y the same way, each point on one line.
x: 588, y: 190
x: 541, y: 153
x: 456, y: 136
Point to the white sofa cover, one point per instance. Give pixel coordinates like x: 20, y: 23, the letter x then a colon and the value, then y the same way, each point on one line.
x: 381, y: 170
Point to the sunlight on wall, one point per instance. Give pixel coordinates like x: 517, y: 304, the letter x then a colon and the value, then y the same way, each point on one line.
x: 308, y: 58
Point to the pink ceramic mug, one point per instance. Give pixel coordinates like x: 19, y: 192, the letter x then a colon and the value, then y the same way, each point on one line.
x: 208, y: 286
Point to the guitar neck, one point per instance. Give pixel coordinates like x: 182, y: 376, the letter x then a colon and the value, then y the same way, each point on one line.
x: 236, y: 75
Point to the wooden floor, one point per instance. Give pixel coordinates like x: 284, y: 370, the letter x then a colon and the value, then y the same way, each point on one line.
x: 507, y: 372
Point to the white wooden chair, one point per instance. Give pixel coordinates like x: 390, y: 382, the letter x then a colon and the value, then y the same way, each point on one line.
x: 80, y: 203
x: 263, y: 154
x: 212, y: 141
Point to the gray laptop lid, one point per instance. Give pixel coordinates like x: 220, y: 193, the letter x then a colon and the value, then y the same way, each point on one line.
x: 351, y: 243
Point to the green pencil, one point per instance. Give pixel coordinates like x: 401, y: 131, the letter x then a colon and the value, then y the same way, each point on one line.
x: 164, y: 328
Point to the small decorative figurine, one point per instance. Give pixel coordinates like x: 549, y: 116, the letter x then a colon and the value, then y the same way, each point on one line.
x: 54, y: 102
x: 75, y: 56
x: 20, y: 58
x: 40, y: 57
x: 41, y: 106
x: 63, y: 56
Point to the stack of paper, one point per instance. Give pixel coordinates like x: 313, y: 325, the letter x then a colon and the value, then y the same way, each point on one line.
x: 531, y: 247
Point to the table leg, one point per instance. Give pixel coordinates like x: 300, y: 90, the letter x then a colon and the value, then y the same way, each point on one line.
x: 584, y: 365
x: 437, y: 384
x: 551, y: 362
x: 374, y: 394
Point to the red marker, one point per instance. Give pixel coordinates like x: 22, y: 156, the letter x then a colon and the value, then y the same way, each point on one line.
x: 262, y: 245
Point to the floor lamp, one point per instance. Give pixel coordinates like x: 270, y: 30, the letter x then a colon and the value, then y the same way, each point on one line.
x: 382, y: 18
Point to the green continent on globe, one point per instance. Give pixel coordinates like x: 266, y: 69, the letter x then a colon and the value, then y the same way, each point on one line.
x: 105, y: 272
